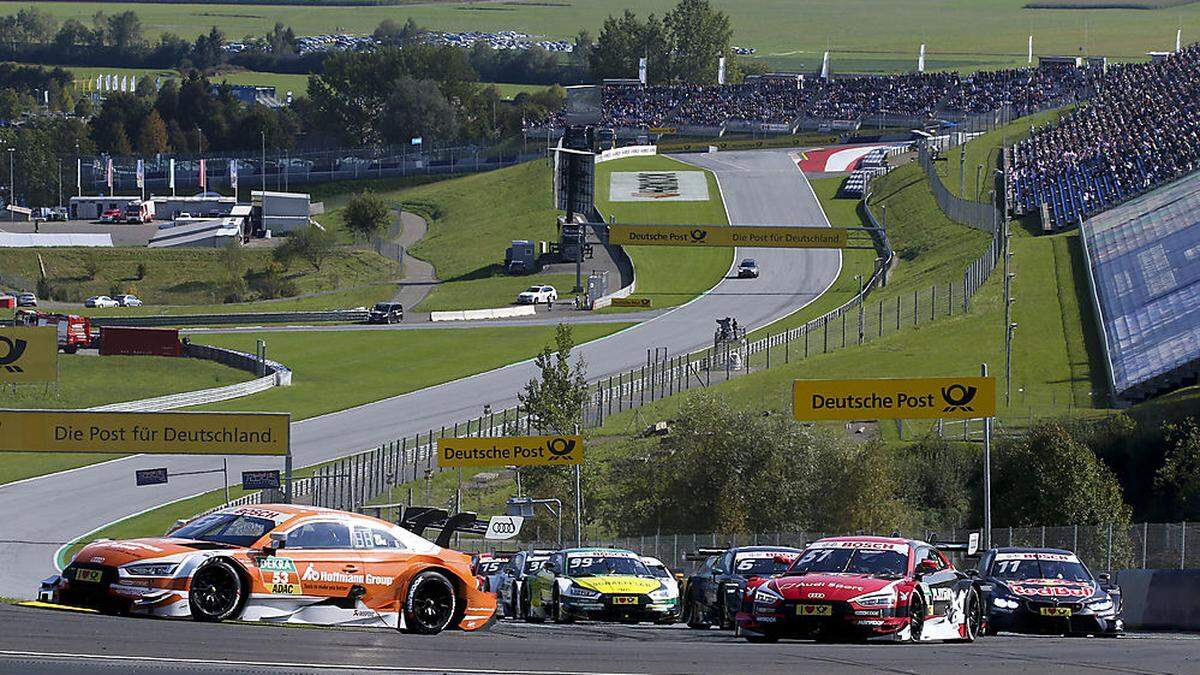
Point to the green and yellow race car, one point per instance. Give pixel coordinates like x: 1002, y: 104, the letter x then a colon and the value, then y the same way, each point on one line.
x: 604, y: 584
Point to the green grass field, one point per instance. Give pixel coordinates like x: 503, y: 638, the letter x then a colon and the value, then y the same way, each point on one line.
x: 87, y: 381
x: 184, y: 276
x: 334, y: 371
x: 668, y: 275
x: 863, y: 34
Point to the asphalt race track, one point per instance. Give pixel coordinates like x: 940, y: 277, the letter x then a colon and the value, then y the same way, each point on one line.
x: 759, y: 187
x: 44, y: 641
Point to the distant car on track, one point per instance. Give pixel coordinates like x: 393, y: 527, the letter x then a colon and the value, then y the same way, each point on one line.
x: 386, y: 312
x: 1047, y: 591
x: 713, y: 594
x: 128, y: 300
x: 100, y: 301
x: 280, y: 563
x: 26, y: 300
x: 536, y: 295
x: 512, y: 594
x: 748, y: 268
x: 883, y: 588
x: 606, y: 584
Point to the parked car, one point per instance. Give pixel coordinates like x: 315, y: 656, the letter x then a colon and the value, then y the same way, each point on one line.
x: 748, y: 269
x: 112, y: 216
x: 128, y: 301
x: 386, y: 312
x: 100, y: 301
x: 26, y: 300
x: 537, y: 294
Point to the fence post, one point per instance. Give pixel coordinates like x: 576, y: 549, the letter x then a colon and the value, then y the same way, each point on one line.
x: 843, y: 330
x: 1182, y: 544
x: 916, y: 312
x: 806, y: 341
x: 1109, y: 566
x: 880, y: 318
x: 1145, y: 536
x: 932, y: 301
x: 897, y: 312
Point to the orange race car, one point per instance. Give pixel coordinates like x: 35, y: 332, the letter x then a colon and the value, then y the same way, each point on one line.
x: 280, y: 563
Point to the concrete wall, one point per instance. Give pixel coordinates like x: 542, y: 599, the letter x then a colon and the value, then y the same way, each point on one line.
x: 1161, y: 599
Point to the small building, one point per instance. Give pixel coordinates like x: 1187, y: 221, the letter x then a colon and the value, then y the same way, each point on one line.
x: 280, y: 211
x: 203, y: 205
x: 91, y: 208
x: 198, y: 233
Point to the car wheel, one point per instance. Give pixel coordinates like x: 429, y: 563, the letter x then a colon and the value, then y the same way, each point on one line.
x: 559, y: 615
x: 216, y: 592
x: 694, y: 618
x: 916, y: 616
x: 430, y: 603
x: 972, y: 616
x: 765, y: 638
x: 530, y: 617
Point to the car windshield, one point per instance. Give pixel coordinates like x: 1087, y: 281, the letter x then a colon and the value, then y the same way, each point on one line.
x: 226, y: 528
x: 659, y: 571
x: 1040, y: 569
x: 382, y: 307
x: 882, y: 563
x: 600, y: 564
x: 748, y: 263
x: 534, y: 289
x: 759, y: 565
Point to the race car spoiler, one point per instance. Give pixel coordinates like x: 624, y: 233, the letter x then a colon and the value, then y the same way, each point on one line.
x: 969, y: 548
x: 703, y: 553
x: 416, y: 519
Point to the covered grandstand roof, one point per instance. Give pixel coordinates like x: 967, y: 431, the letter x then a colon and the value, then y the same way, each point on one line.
x: 29, y: 239
x: 1144, y: 266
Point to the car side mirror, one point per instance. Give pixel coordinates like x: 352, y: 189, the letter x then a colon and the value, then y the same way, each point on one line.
x: 276, y: 541
x: 1104, y: 578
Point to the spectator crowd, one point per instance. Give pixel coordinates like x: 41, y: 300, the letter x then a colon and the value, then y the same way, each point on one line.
x: 1139, y: 130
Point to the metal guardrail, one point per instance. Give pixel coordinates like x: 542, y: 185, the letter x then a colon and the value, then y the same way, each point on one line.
x: 190, y: 398
x: 337, y: 315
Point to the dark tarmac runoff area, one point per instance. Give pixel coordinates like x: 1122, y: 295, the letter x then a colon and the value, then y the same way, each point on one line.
x: 40, y: 641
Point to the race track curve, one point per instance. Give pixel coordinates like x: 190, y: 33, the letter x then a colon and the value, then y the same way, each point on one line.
x: 759, y: 187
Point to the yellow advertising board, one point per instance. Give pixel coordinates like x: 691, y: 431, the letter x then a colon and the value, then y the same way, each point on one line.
x: 723, y: 235
x: 901, y: 398
x: 28, y: 355
x: 511, y: 450
x: 631, y: 302
x: 162, y: 433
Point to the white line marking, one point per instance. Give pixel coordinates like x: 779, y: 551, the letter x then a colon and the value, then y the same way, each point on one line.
x: 284, y: 664
x: 65, y: 471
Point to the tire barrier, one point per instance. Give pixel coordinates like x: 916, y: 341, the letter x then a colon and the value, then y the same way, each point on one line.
x: 331, y: 316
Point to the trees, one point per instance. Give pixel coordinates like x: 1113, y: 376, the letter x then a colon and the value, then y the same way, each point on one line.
x: 366, y: 215
x: 698, y: 36
x: 152, y: 138
x: 1177, y: 481
x: 554, y: 401
x: 1049, y: 477
x: 124, y: 30
x: 624, y: 41
x: 417, y: 109
x: 311, y: 244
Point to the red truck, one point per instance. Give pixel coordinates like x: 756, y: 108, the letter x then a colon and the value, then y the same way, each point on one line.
x: 74, y: 331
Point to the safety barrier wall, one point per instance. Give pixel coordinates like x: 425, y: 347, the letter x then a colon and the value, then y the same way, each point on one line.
x: 1161, y: 599
x: 336, y: 315
x: 624, y: 265
x: 476, y: 314
x: 271, y: 374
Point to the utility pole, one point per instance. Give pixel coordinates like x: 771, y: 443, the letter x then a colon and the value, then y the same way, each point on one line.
x: 262, y: 169
x: 578, y: 504
x: 962, y: 166
x: 861, y: 318
x: 987, y: 474
x: 12, y: 186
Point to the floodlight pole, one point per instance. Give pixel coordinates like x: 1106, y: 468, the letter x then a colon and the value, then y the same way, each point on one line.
x: 578, y: 505
x: 987, y: 474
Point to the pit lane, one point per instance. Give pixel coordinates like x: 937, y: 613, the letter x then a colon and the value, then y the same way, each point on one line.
x: 43, y: 641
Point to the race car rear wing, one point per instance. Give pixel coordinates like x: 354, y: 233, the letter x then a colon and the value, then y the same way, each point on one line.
x: 969, y: 548
x: 416, y: 519
x: 703, y: 553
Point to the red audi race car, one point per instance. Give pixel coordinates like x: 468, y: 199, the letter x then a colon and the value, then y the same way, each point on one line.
x: 281, y: 563
x: 873, y: 588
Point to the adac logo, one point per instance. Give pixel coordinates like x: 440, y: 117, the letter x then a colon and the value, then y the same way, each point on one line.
x: 560, y: 448
x: 958, y: 398
x: 12, y: 353
x: 698, y: 235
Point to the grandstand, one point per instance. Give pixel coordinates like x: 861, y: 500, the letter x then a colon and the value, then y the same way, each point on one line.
x: 1144, y: 268
x: 1141, y: 129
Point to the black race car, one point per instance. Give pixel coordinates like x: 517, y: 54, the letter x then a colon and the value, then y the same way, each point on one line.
x: 511, y: 594
x: 713, y: 594
x: 1047, y: 591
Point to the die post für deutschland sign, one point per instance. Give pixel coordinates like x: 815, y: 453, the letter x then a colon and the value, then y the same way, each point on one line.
x: 900, y: 398
x: 511, y: 450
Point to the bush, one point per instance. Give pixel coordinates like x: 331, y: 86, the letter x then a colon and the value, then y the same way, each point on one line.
x: 91, y: 266
x: 141, y: 271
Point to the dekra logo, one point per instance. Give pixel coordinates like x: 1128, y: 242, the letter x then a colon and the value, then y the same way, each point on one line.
x: 15, y: 348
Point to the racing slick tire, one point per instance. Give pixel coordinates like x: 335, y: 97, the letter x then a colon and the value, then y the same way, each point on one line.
x: 430, y: 604
x: 523, y: 605
x: 916, y: 616
x: 217, y: 591
x: 559, y: 615
x: 693, y: 618
x: 761, y: 639
x: 972, y: 616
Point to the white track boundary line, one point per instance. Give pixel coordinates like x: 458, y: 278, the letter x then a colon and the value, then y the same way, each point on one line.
x: 283, y: 664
